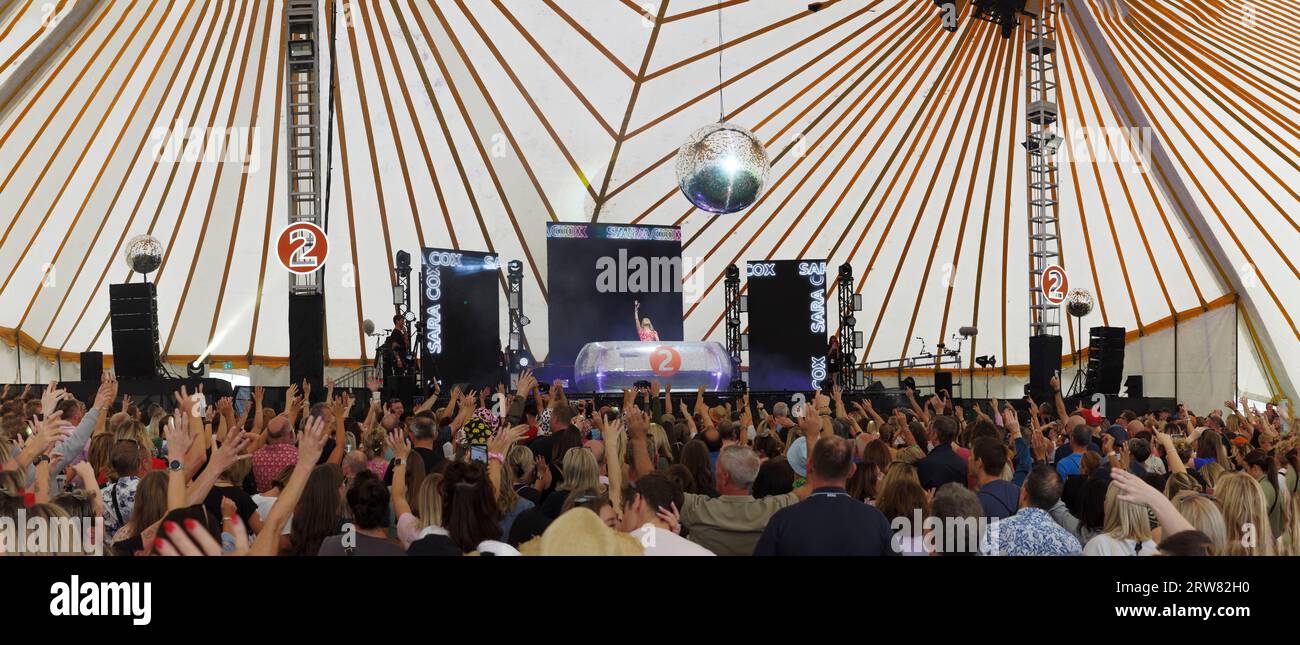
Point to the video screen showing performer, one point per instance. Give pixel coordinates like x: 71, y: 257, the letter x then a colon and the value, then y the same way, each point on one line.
x: 596, y: 272
x: 644, y: 327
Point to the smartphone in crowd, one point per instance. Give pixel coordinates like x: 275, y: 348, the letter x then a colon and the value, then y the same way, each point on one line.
x: 478, y: 453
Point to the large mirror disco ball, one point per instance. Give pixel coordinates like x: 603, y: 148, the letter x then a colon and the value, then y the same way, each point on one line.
x: 723, y: 168
x: 144, y: 254
x: 1078, y: 302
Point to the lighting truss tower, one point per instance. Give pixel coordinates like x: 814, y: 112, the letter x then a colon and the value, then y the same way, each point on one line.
x: 303, y: 127
x: 519, y: 356
x: 850, y: 304
x: 733, y: 304
x: 1043, y: 141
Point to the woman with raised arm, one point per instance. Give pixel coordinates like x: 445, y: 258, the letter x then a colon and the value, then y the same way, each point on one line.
x: 644, y: 328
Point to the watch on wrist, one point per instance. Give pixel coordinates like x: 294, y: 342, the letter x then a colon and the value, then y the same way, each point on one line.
x: 175, y: 465
x: 398, y: 461
x: 41, y: 459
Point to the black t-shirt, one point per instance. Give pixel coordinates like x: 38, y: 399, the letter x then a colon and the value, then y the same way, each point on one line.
x: 434, y: 545
x: 828, y: 523
x: 244, y: 504
x: 432, y: 458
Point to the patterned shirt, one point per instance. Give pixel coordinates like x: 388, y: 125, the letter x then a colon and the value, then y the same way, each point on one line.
x: 1031, y: 531
x: 119, y: 499
x: 270, y: 460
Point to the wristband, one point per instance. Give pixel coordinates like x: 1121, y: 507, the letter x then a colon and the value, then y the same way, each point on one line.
x: 497, y: 457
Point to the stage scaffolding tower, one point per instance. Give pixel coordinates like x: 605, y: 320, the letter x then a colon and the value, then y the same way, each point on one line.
x: 734, y: 304
x: 850, y: 303
x: 303, y: 128
x: 1042, y: 144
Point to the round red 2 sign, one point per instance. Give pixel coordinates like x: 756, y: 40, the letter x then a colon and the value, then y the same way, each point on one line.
x: 303, y: 248
x: 1055, y: 285
x: 665, y: 362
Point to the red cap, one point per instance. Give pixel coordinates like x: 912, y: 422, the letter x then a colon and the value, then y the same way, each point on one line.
x: 1090, y: 417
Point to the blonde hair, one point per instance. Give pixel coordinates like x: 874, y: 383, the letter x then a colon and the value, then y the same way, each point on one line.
x: 1125, y: 520
x: 1205, y: 515
x: 661, y: 440
x: 1211, y: 472
x: 428, y: 502
x: 898, y: 471
x: 580, y: 471
x: 1245, y: 515
x: 1289, y: 543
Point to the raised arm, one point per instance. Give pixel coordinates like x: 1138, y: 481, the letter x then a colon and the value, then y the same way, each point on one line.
x: 1061, y: 412
x: 400, y: 444
x: 310, y: 444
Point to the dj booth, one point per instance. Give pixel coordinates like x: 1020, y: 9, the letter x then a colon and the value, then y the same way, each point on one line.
x: 617, y: 365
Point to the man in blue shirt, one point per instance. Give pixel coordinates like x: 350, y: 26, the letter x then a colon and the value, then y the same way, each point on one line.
x: 830, y: 521
x: 1000, y: 498
x: 1080, y: 439
x: 943, y: 464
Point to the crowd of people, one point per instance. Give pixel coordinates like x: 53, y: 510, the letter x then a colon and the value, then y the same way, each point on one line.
x: 533, y: 472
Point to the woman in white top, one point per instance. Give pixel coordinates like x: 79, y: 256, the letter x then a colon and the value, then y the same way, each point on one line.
x: 1126, y: 531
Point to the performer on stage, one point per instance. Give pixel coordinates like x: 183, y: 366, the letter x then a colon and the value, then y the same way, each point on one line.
x: 645, y: 329
x: 833, y: 362
x: 398, y: 346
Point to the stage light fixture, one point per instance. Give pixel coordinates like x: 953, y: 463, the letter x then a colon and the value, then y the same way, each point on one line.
x: 196, y: 370
x: 744, y: 342
x: 857, y: 302
x: 968, y: 332
x: 744, y: 304
x: 525, y: 321
x: 851, y: 321
x: 515, y: 267
x: 859, y: 339
x: 403, y: 261
x: 302, y: 48
x: 1045, y: 144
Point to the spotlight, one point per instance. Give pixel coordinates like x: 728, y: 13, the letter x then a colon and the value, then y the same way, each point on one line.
x: 744, y: 304
x: 302, y: 48
x: 525, y: 321
x: 196, y: 369
x: 1045, y: 144
x: 733, y: 272
x: 968, y: 332
x: 403, y: 262
x: 739, y: 385
x: 851, y: 321
x: 521, y: 360
x: 515, y: 267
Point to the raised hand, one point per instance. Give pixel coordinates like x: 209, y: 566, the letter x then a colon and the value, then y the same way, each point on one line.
x: 178, y: 435
x: 311, y: 442
x: 107, y: 392
x: 51, y: 397
x: 399, y: 443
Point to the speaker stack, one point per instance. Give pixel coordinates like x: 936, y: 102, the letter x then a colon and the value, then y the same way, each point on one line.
x: 1105, y: 360
x: 133, y: 311
x: 1044, y: 363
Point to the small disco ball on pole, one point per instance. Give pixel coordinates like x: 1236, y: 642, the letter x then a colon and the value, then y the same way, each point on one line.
x: 723, y: 168
x: 144, y: 254
x: 1079, y: 302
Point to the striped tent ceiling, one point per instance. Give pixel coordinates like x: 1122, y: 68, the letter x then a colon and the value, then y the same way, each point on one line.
x: 471, y: 124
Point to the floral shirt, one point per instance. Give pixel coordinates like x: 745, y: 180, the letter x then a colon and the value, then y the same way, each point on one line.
x: 119, y: 499
x: 270, y: 460
x: 1031, y: 531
